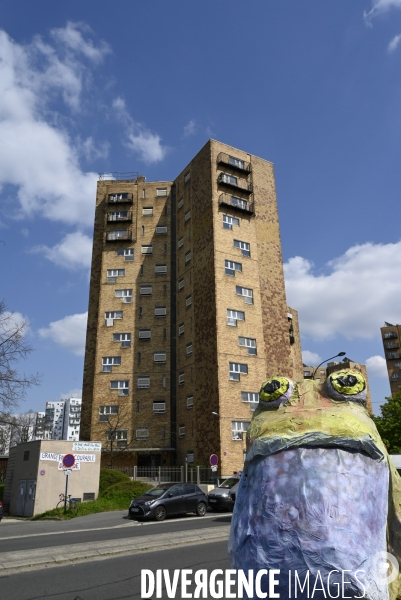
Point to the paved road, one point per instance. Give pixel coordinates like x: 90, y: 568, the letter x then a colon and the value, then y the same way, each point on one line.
x: 111, y: 578
x: 32, y: 535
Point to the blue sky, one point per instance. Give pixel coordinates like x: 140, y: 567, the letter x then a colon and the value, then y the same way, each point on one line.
x: 314, y: 87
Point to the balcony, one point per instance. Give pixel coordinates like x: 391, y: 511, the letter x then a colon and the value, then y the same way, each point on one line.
x: 120, y: 198
x: 235, y: 182
x: 118, y: 235
x: 122, y: 215
x: 237, y: 203
x: 234, y: 163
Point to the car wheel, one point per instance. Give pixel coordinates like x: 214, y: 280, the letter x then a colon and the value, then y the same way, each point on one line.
x: 160, y: 513
x: 201, y: 509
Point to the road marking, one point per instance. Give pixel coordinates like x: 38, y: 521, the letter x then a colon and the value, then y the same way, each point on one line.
x: 135, y: 524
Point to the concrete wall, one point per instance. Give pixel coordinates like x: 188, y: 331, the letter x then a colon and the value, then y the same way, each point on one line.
x: 50, y: 481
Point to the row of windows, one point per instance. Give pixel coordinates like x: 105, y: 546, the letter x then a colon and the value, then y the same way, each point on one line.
x: 111, y: 316
x: 124, y: 196
x: 112, y: 274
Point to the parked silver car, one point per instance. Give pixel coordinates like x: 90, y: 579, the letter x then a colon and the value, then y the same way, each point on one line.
x: 219, y: 498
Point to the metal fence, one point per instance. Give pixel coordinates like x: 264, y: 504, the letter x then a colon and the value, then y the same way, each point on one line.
x: 185, y: 473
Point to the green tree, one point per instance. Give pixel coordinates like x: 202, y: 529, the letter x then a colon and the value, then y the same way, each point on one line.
x: 389, y: 424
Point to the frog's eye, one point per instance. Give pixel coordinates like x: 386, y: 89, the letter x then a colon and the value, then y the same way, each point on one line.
x: 275, y: 392
x: 347, y: 385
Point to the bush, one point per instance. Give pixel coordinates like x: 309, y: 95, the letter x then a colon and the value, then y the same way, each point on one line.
x: 126, y: 491
x: 110, y: 477
x: 1, y: 490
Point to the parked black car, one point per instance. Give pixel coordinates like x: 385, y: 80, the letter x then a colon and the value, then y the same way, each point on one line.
x: 169, y: 499
x: 220, y: 498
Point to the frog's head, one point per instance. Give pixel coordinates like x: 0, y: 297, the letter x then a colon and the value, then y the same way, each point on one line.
x: 311, y: 413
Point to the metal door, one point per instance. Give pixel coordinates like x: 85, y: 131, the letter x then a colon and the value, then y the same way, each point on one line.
x: 30, y: 498
x: 21, y: 497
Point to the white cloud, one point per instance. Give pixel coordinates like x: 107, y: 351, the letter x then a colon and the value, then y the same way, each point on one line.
x: 74, y: 393
x: 25, y: 232
x: 69, y: 333
x: 36, y: 155
x: 12, y: 320
x: 376, y: 366
x: 394, y: 43
x: 139, y: 139
x: 380, y: 7
x: 190, y: 128
x: 360, y: 292
x: 310, y: 358
x: 92, y: 150
x: 73, y: 252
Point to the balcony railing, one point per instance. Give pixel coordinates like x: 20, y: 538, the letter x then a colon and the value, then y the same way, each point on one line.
x: 122, y: 197
x: 235, y: 182
x: 237, y: 203
x: 235, y: 163
x: 118, y: 235
x: 115, y: 217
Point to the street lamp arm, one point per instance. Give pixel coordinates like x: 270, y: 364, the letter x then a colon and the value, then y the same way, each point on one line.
x: 339, y: 354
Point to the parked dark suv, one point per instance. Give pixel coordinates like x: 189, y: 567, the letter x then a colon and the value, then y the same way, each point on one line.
x: 169, y: 499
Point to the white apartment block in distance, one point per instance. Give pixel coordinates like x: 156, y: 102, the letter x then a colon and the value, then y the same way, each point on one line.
x: 62, y: 420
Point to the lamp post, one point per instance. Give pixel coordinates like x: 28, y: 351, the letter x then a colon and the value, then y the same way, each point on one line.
x: 327, y: 359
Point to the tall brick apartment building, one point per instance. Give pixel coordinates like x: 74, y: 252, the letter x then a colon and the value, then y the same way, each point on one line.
x: 391, y: 336
x: 187, y: 310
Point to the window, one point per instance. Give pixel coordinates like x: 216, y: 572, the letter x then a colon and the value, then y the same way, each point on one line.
x: 181, y: 431
x: 109, y: 317
x: 143, y: 193
x: 187, y: 177
x: 161, y: 269
x: 112, y: 274
x: 119, y: 197
x: 231, y: 267
x: 191, y: 460
x: 236, y: 162
x: 187, y: 216
x: 181, y: 241
x: 236, y: 369
x: 147, y: 249
x: 188, y: 301
x: 189, y: 349
x: 164, y: 381
x: 180, y: 203
x: 147, y: 211
x: 118, y: 234
x: 164, y: 248
x: 145, y: 290
x: 247, y: 293
x: 106, y: 411
x: 238, y: 202
x: 159, y: 406
x: 243, y: 246
x: 389, y: 334
x: 127, y: 253
x: 390, y: 345
x: 233, y: 316
x: 143, y: 229
x: 248, y: 343
x: 144, y: 334
x: 161, y: 192
x: 228, y: 222
x: 26, y: 455
x: 252, y: 397
x: 164, y: 290
x: 160, y: 311
x: 238, y: 428
x: 161, y: 229
x: 226, y: 178
x: 164, y: 333
x: 121, y: 385
x: 143, y: 383
x: 190, y: 401
x: 125, y: 295
x: 109, y: 361
x: 395, y: 375
x: 307, y: 373
x: 392, y: 355
x: 142, y: 433
x: 124, y: 338
x: 188, y: 256
x: 181, y: 379
x: 159, y: 357
x: 181, y: 283
x: 181, y: 329
x: 397, y: 365
x: 116, y: 216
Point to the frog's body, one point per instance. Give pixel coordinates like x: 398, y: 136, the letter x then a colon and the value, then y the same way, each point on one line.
x: 318, y: 492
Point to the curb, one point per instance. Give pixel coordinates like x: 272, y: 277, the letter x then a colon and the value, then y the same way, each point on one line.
x: 56, y: 556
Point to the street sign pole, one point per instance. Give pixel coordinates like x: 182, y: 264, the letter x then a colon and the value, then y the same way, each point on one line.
x: 68, y: 463
x: 66, y: 492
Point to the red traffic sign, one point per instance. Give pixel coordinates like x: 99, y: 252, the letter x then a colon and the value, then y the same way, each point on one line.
x: 214, y: 460
x: 68, y: 461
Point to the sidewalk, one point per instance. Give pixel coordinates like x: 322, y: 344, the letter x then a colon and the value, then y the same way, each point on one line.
x: 58, y: 555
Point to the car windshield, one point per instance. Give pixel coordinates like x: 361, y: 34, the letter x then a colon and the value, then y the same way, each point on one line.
x: 229, y: 483
x: 157, y: 491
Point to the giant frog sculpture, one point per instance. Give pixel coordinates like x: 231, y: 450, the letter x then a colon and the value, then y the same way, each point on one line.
x: 318, y: 491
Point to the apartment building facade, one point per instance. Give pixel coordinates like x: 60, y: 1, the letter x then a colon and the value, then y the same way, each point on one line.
x: 187, y: 311
x: 60, y: 421
x: 391, y: 335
